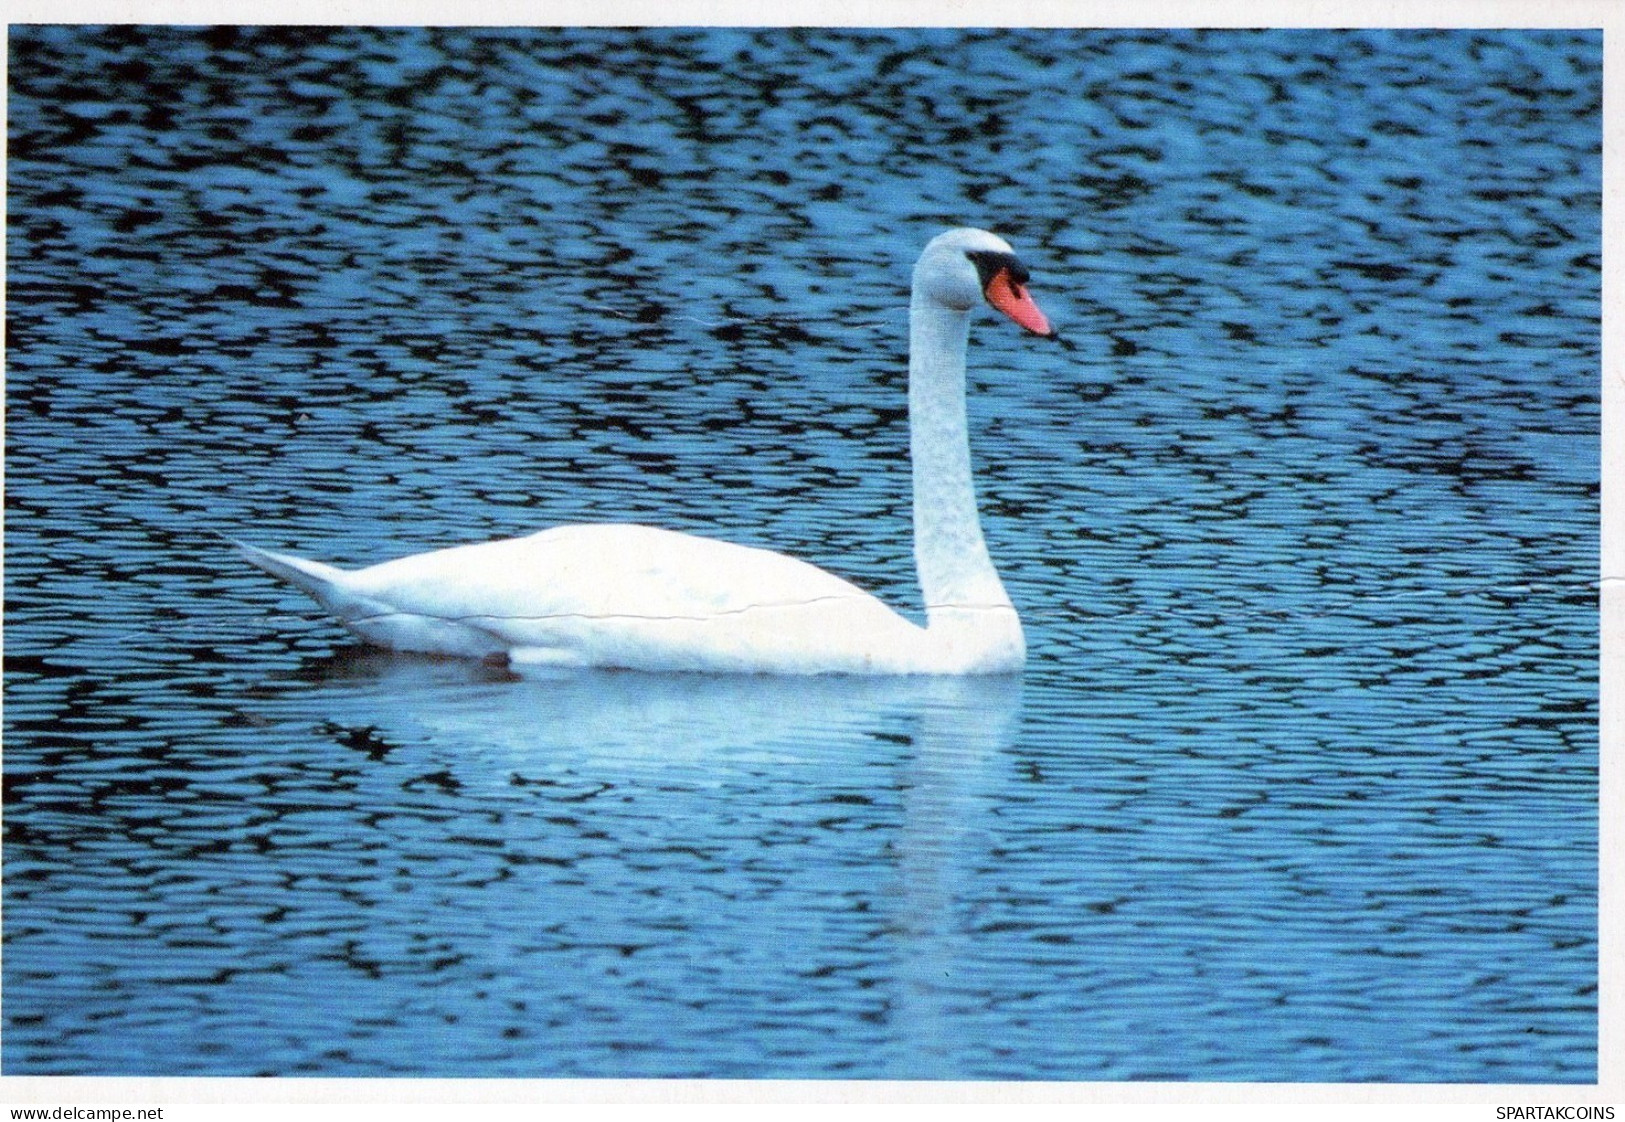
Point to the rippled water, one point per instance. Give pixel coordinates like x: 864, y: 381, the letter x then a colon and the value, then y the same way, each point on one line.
x: 1299, y: 784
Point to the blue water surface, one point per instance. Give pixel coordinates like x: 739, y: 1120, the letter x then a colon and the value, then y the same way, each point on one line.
x: 1300, y: 782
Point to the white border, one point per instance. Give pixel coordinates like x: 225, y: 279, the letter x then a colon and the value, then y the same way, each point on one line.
x: 350, y: 1099
x: 850, y: 13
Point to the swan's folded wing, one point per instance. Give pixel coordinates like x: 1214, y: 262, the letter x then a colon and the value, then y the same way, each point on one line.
x: 640, y: 597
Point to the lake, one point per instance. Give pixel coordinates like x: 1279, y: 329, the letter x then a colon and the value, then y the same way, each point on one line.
x: 1300, y: 780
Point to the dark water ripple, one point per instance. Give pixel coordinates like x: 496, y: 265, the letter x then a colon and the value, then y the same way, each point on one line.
x: 1300, y: 783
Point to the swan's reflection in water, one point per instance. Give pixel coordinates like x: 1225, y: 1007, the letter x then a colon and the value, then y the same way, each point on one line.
x: 667, y: 718
x: 819, y: 794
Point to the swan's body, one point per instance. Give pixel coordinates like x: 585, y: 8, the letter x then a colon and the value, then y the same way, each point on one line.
x: 630, y: 596
x: 648, y: 599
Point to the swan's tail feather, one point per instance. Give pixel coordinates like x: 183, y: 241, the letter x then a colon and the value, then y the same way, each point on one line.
x: 392, y: 627
x: 311, y: 576
x: 323, y: 583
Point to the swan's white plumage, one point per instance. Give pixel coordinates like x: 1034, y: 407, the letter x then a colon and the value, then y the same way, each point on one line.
x: 621, y: 595
x: 644, y: 598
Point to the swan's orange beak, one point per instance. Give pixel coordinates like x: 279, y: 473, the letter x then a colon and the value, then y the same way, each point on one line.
x: 1011, y: 298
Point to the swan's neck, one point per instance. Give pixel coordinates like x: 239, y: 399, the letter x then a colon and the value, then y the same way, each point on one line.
x: 962, y: 590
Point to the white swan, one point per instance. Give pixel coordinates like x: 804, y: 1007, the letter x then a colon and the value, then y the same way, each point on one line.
x: 642, y: 598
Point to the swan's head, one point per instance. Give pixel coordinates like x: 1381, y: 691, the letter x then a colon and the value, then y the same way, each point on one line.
x: 963, y: 266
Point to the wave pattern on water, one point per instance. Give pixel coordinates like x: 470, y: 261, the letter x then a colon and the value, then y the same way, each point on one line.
x: 1300, y: 783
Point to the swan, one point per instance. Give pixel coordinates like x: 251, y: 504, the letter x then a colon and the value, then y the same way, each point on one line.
x: 642, y: 598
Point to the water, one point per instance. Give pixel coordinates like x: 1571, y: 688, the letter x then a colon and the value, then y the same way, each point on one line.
x: 1299, y: 784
